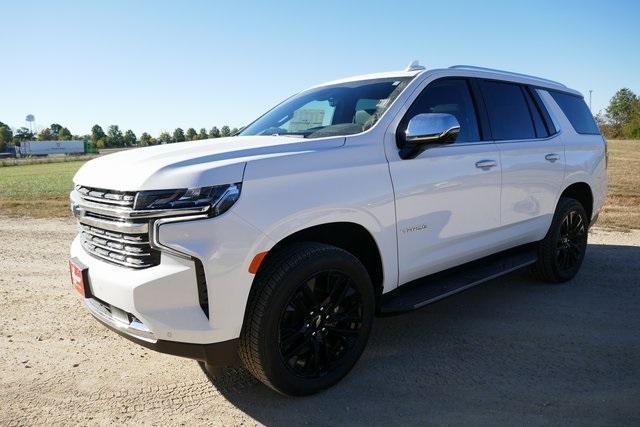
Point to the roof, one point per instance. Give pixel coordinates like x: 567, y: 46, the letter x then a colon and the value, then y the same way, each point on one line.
x: 373, y: 76
x: 461, y: 70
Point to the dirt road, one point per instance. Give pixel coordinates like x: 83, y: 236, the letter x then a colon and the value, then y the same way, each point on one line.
x: 511, y: 351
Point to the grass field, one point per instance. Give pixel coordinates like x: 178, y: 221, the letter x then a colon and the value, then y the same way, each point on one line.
x: 42, y: 190
x: 622, y: 209
x: 38, y: 190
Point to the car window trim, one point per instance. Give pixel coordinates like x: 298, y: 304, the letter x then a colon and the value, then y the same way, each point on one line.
x: 542, y: 108
x: 403, y: 122
x: 532, y: 111
x: 565, y: 114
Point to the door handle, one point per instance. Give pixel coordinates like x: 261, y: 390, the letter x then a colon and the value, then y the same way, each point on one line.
x: 552, y: 157
x: 485, y: 165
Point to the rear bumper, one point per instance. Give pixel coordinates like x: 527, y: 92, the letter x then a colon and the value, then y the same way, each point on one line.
x: 223, y: 353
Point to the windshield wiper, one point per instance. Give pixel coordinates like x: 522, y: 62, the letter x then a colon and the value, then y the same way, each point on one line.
x: 290, y: 135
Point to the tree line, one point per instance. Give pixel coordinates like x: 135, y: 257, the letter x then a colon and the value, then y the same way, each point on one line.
x: 112, y: 138
x: 621, y: 119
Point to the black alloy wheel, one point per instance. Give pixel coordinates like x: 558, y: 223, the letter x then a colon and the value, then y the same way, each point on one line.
x: 320, y: 324
x: 572, y: 241
x: 308, y: 319
x: 561, y: 252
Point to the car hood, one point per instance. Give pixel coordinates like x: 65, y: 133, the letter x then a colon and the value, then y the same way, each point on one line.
x: 191, y: 164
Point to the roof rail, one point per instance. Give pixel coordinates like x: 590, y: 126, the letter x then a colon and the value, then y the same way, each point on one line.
x: 510, y: 73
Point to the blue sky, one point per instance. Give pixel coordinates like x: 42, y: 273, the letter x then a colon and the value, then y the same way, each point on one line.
x: 156, y: 65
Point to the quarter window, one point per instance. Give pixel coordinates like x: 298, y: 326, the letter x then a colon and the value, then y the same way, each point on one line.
x: 508, y: 111
x: 577, y: 112
x: 450, y: 96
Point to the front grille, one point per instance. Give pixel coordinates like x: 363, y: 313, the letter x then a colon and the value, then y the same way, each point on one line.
x: 125, y: 249
x: 108, y: 197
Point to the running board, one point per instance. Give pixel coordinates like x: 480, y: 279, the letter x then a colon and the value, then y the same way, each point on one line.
x: 435, y: 287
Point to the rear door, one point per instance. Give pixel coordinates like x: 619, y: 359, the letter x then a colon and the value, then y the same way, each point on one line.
x: 448, y: 197
x: 531, y: 155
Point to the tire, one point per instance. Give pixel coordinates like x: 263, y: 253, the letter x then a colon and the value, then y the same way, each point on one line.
x: 561, y: 252
x: 308, y: 320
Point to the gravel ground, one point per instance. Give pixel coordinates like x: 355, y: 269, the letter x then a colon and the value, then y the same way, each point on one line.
x: 513, y: 351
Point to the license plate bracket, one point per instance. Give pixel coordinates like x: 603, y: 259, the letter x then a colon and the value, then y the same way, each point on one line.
x: 80, y: 277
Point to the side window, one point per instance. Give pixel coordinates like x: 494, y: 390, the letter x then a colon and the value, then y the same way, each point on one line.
x: 508, y: 111
x: 577, y: 112
x: 450, y: 96
x: 313, y: 114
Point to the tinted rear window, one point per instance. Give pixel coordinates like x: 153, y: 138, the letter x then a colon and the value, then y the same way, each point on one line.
x: 508, y: 111
x: 577, y: 112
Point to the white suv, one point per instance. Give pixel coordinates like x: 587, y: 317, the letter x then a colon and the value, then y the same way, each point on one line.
x: 370, y: 195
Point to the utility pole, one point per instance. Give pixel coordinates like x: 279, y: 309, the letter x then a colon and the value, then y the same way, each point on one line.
x: 590, y: 92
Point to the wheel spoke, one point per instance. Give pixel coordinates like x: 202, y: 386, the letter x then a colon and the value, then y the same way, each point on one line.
x: 342, y: 331
x: 320, y: 323
x: 295, y: 350
x: 571, y: 240
x: 309, y: 296
x: 291, y: 338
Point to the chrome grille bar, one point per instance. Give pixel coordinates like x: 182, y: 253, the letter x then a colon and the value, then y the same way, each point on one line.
x: 110, y: 197
x: 113, y: 231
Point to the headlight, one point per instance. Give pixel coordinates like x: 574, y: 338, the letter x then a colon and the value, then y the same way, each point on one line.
x: 218, y: 198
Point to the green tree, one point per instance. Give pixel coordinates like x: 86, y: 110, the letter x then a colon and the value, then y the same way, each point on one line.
x: 622, y: 107
x: 178, y: 135
x: 225, y: 131
x: 55, y: 130
x: 214, y: 132
x: 203, y: 134
x: 22, y: 134
x: 165, y: 138
x: 45, y: 135
x: 191, y: 134
x: 622, y: 117
x: 6, y: 135
x: 631, y: 129
x: 234, y: 131
x: 97, y: 134
x: 129, y: 138
x: 145, y: 139
x: 114, y: 136
x: 64, y: 135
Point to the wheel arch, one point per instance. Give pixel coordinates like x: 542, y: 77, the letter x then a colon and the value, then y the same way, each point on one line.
x: 582, y: 192
x: 350, y: 236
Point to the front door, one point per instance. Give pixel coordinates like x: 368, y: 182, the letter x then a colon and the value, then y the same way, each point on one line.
x: 447, y: 197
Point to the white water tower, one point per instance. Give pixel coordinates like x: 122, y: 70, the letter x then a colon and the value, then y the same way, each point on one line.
x: 31, y: 120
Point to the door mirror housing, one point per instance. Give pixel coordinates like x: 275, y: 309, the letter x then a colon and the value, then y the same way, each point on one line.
x: 428, y: 128
x: 432, y: 128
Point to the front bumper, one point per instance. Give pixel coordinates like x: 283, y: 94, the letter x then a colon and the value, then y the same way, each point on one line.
x: 217, y: 354
x: 164, y: 299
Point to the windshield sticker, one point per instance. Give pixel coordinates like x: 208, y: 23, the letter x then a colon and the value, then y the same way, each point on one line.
x: 306, y: 119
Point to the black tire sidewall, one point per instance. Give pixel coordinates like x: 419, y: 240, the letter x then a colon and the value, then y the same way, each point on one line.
x: 565, y: 208
x: 275, y: 369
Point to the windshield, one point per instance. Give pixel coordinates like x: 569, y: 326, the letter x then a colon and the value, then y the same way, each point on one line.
x: 343, y: 109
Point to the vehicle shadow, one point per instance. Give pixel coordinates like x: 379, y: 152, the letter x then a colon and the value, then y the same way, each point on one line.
x: 513, y: 350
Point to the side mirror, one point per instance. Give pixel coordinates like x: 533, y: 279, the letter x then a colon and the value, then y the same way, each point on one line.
x: 432, y: 128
